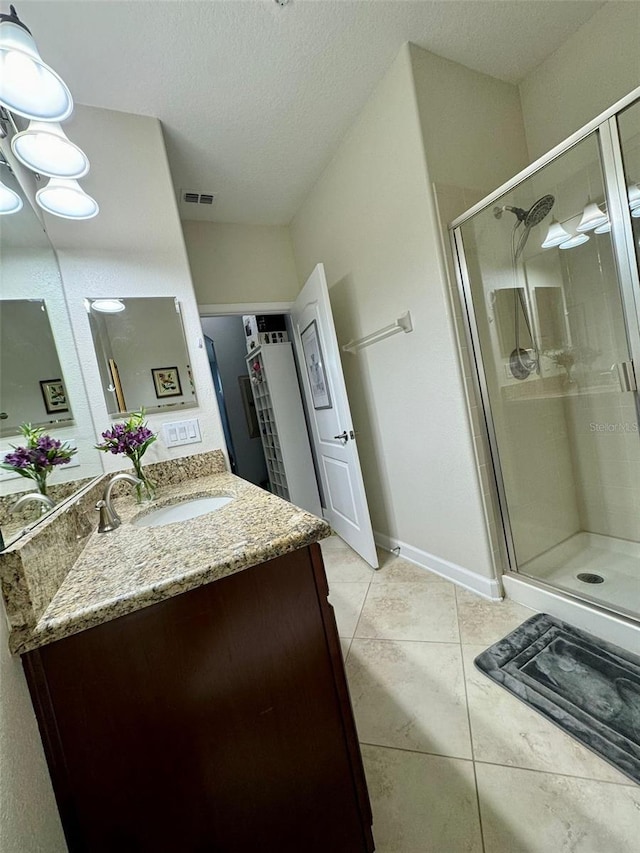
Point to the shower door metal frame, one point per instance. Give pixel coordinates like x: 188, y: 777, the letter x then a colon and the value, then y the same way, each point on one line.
x: 606, y: 129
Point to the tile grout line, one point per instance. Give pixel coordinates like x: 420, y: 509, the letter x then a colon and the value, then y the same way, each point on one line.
x: 629, y: 784
x: 466, y: 699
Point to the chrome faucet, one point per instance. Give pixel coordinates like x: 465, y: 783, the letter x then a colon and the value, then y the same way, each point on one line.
x: 45, y: 500
x: 109, y: 518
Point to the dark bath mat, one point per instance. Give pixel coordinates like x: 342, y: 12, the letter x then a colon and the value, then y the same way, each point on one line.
x: 587, y: 687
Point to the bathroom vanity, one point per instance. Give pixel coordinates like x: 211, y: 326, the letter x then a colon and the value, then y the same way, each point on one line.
x: 189, y: 686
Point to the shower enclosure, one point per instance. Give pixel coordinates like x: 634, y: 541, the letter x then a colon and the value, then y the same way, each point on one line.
x: 548, y: 275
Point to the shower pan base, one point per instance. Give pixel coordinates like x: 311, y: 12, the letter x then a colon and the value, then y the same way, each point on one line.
x: 601, y: 567
x: 572, y: 607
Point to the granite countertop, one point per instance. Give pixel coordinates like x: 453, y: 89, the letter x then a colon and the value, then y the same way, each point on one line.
x: 133, y: 567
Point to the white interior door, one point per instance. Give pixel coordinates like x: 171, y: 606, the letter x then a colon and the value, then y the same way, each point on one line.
x: 334, y: 442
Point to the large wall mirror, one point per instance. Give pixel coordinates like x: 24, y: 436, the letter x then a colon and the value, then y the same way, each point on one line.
x: 40, y: 376
x: 142, y: 354
x: 33, y: 386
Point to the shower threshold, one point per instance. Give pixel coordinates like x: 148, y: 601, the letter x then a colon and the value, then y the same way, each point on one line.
x: 602, y: 567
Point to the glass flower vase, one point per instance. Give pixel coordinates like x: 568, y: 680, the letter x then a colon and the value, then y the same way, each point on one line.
x: 146, y: 490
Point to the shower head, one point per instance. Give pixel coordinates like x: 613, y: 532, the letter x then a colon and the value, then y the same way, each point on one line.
x: 531, y: 217
x: 539, y: 210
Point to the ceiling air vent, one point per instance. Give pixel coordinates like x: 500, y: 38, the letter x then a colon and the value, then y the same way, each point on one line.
x: 191, y: 197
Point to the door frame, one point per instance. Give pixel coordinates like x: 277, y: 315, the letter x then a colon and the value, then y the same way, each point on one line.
x: 233, y: 309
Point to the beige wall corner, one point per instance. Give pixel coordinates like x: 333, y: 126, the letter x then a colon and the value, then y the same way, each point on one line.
x: 471, y: 123
x: 595, y: 67
x: 371, y: 220
x: 233, y: 264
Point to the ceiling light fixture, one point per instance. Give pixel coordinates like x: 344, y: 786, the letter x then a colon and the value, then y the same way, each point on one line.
x: 108, y: 306
x: 592, y: 216
x: 555, y: 235
x: 28, y: 86
x: 45, y: 148
x: 67, y: 199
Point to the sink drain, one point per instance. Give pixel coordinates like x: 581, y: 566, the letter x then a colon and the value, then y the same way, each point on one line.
x: 588, y: 577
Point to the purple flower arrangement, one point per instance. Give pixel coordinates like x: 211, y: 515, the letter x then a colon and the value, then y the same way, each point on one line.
x: 131, y: 438
x: 39, y: 457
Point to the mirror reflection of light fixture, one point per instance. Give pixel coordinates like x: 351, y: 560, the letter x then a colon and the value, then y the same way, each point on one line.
x: 633, y: 194
x: 108, y: 306
x: 28, y: 86
x: 45, y: 148
x: 636, y: 212
x: 555, y: 235
x: 578, y: 240
x: 592, y: 217
x: 10, y: 201
x: 66, y: 199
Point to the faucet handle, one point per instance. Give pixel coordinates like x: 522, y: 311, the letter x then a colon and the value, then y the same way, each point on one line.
x: 108, y: 519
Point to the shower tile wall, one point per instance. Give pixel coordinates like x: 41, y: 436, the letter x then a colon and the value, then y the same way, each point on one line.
x: 602, y: 420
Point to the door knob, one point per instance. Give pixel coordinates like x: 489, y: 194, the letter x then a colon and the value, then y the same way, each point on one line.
x: 344, y: 436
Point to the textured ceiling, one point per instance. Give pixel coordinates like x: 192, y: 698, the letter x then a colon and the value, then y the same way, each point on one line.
x: 254, y: 97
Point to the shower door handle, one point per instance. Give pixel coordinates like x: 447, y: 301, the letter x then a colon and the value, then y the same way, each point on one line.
x: 626, y: 376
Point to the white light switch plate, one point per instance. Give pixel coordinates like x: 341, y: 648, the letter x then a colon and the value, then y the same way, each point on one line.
x: 181, y: 432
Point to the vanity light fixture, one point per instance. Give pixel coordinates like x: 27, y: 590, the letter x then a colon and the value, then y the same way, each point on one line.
x: 592, y: 217
x: 45, y: 148
x: 108, y: 306
x: 28, y: 86
x: 605, y: 228
x: 66, y: 199
x: 555, y: 235
x: 636, y: 212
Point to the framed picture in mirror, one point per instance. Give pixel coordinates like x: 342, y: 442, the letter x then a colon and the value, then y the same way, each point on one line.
x: 54, y: 395
x: 166, y: 381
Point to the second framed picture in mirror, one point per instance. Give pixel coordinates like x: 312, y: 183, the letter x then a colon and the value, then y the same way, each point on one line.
x: 134, y: 338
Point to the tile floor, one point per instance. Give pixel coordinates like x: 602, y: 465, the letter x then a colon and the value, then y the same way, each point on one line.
x: 454, y: 763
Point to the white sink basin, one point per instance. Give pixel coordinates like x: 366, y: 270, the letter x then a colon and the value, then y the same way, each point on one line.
x: 182, y: 511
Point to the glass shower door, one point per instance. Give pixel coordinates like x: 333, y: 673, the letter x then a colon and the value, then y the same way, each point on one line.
x: 551, y: 335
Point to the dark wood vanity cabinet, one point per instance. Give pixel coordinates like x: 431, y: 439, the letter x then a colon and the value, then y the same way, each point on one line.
x: 217, y: 720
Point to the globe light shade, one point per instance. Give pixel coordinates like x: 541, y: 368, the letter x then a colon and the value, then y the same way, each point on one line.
x: 67, y: 199
x: 603, y: 229
x: 45, y: 148
x: 555, y: 235
x: 578, y: 240
x: 108, y: 306
x: 28, y: 86
x: 10, y: 201
x: 592, y: 216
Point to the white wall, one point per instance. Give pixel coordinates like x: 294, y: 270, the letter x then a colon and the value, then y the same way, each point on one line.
x: 595, y: 67
x: 234, y: 264
x: 134, y: 247
x: 370, y: 219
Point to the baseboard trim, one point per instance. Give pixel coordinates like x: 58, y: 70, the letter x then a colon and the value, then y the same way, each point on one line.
x: 486, y: 587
